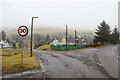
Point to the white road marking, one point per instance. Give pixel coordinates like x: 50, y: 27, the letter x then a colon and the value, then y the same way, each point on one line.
x: 113, y: 50
x: 114, y: 53
x: 118, y: 57
x: 99, y: 64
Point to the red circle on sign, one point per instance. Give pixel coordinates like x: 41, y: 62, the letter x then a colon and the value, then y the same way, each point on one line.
x: 26, y: 31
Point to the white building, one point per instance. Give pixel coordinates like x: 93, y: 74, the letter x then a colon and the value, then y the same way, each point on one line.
x: 63, y: 41
x: 55, y: 42
x: 4, y: 44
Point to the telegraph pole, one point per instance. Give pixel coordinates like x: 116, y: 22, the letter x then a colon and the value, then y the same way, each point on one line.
x: 66, y: 37
x: 31, y: 37
x: 75, y: 39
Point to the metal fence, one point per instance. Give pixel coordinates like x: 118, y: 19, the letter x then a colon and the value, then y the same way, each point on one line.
x: 69, y: 47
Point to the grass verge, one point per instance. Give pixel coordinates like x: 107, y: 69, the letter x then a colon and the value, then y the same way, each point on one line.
x: 11, y: 63
x: 45, y: 47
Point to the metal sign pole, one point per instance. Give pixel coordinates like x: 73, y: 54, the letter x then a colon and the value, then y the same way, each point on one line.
x: 22, y: 51
x: 22, y: 31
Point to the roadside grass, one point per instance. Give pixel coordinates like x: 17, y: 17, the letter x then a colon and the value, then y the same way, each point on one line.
x: 44, y: 47
x: 0, y: 62
x: 12, y: 63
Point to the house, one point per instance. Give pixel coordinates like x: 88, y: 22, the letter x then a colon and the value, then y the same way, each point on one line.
x: 63, y: 41
x: 71, y: 40
x: 55, y: 42
x: 4, y: 44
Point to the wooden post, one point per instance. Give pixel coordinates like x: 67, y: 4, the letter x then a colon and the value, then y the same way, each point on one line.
x: 75, y: 39
x: 31, y: 36
x: 66, y: 37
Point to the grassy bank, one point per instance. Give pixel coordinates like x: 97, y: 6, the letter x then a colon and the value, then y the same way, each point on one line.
x: 44, y: 47
x: 11, y: 61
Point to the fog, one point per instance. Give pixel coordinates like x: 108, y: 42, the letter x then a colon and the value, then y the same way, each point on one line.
x: 77, y: 14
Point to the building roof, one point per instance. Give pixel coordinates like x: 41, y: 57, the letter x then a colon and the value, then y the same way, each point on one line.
x: 55, y: 42
x: 71, y: 40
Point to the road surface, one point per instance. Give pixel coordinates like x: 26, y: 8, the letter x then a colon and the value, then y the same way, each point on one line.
x: 99, y: 62
x: 108, y: 57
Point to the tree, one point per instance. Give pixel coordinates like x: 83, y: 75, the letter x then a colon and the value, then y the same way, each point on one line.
x: 47, y: 39
x: 37, y: 37
x: 114, y: 36
x: 14, y: 45
x: 2, y: 35
x: 102, y: 33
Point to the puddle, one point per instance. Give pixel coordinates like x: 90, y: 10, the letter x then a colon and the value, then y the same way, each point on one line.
x: 21, y: 73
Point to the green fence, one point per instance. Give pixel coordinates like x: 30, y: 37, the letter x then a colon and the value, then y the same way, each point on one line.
x: 69, y: 47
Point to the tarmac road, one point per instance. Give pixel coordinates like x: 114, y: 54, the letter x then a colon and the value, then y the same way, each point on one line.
x: 108, y: 57
x: 59, y: 65
x: 99, y: 62
x: 86, y: 63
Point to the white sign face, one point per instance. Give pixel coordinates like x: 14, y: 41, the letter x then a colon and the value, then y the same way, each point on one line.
x: 23, y: 30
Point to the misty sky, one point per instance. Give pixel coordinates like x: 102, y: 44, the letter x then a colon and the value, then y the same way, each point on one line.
x: 77, y: 14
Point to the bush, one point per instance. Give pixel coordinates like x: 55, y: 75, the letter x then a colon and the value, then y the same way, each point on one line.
x: 93, y: 45
x: 36, y: 46
x: 14, y: 45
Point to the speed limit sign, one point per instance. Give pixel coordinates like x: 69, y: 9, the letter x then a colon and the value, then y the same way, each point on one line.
x: 22, y: 30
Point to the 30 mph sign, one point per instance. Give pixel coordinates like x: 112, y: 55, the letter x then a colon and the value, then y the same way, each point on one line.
x: 22, y: 30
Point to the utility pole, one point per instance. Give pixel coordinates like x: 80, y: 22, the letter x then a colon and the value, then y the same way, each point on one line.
x: 31, y: 37
x: 75, y: 39
x: 32, y: 34
x: 66, y: 37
